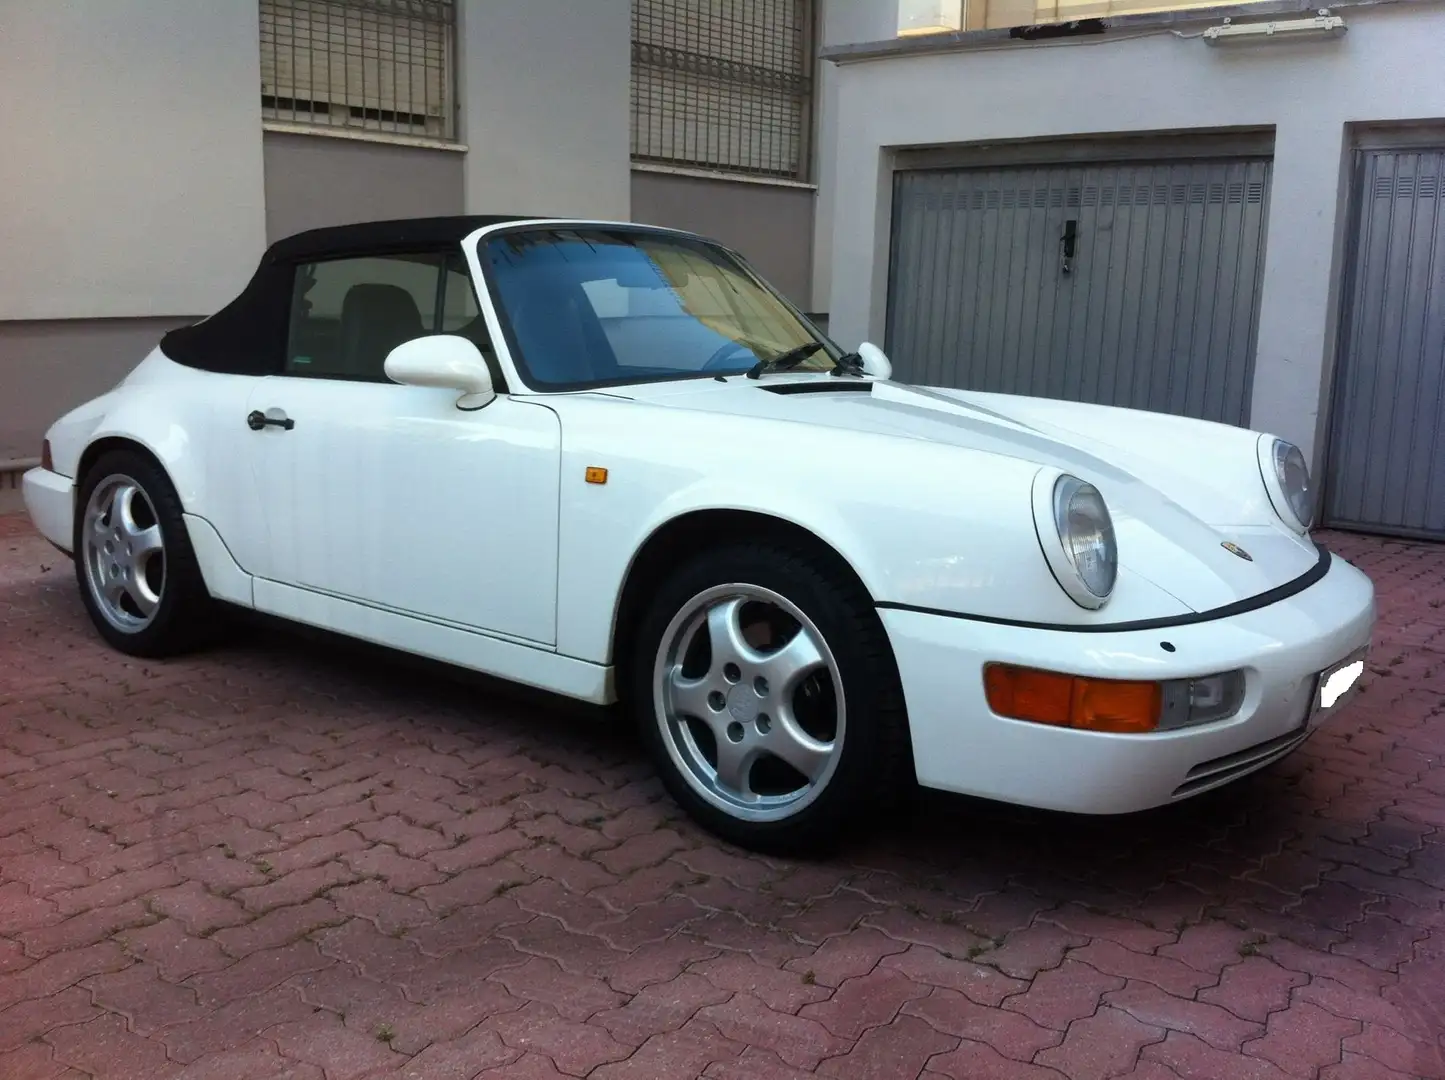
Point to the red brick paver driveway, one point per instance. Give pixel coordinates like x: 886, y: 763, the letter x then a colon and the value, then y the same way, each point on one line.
x: 284, y: 859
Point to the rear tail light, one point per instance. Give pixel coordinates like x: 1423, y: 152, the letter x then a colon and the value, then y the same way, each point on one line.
x: 46, y: 462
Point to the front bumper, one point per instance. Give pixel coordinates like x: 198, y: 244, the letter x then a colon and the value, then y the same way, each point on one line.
x: 50, y: 501
x: 961, y: 745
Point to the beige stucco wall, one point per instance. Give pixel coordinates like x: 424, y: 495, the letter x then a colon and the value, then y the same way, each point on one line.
x: 130, y: 179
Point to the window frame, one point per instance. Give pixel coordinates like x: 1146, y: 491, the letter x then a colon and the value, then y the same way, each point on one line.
x: 442, y: 258
x: 352, y: 113
x: 699, y: 64
x: 509, y: 337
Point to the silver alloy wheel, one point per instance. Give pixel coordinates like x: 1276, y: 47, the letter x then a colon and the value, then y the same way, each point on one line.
x: 755, y: 727
x: 124, y: 554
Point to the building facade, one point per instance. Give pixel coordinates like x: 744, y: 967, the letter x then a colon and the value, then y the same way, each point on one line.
x: 1093, y: 199
x: 1108, y: 201
x: 155, y: 147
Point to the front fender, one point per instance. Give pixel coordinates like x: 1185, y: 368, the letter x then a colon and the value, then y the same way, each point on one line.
x: 1210, y: 469
x: 922, y: 525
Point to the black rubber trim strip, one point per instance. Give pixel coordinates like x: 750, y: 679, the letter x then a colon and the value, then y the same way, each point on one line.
x: 820, y: 388
x: 1254, y: 603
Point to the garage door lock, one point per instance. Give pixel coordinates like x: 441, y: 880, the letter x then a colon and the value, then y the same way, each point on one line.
x: 1067, y: 243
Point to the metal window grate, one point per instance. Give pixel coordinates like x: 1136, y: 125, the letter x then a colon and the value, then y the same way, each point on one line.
x: 376, y: 65
x: 723, y: 84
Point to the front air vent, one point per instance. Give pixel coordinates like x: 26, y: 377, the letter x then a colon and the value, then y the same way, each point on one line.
x: 1221, y: 770
x: 821, y: 388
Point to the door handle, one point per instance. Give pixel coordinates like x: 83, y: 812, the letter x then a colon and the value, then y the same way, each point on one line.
x: 256, y: 420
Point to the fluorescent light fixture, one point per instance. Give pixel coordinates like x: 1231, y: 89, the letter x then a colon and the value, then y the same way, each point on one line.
x: 929, y: 17
x: 1322, y: 25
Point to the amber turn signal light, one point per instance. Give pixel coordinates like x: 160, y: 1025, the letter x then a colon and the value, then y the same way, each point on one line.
x: 1048, y: 697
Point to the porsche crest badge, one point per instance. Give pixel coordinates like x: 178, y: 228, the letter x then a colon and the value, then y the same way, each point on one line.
x: 1235, y: 549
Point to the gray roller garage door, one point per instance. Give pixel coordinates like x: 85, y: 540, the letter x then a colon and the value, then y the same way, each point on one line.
x: 1156, y: 309
x: 1388, y: 431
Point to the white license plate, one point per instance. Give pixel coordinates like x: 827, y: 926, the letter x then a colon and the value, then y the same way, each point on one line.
x: 1337, y: 684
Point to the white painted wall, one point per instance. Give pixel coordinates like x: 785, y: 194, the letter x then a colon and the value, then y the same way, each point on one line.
x: 1386, y: 68
x: 840, y: 22
x: 545, y: 107
x: 130, y: 168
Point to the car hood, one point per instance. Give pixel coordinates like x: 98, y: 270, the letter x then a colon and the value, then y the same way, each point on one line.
x: 1178, y: 491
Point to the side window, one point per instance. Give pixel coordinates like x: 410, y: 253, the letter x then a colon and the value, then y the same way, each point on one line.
x: 348, y: 314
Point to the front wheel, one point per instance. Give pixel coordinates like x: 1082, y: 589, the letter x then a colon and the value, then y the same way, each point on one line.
x: 766, y: 691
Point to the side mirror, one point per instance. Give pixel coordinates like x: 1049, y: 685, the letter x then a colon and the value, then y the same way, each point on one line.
x: 445, y: 361
x: 874, y: 361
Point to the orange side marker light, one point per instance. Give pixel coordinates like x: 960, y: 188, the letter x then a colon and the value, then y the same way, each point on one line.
x: 1047, y: 697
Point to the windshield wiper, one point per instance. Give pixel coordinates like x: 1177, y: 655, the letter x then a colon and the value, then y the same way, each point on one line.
x: 785, y: 361
x: 848, y: 364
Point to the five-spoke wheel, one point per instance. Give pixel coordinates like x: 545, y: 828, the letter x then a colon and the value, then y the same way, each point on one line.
x: 764, y: 685
x: 750, y: 701
x: 134, y: 563
x: 124, y: 558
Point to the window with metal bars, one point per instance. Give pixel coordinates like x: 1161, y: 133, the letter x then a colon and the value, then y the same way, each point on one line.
x: 372, y: 65
x: 723, y: 85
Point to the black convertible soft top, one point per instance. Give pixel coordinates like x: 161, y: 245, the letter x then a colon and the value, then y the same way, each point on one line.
x: 248, y: 335
x: 401, y: 234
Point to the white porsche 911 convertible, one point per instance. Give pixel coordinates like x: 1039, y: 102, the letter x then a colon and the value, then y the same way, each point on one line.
x: 610, y: 461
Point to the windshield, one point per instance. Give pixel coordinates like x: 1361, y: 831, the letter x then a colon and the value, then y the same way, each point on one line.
x: 601, y: 306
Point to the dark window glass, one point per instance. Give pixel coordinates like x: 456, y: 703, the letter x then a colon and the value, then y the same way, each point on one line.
x: 348, y: 314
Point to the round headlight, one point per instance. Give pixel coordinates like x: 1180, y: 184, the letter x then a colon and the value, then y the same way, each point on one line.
x: 1081, y: 551
x: 1287, y: 479
x: 1087, y: 534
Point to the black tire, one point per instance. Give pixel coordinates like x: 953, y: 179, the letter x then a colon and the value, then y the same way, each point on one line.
x: 874, y: 766
x: 186, y: 618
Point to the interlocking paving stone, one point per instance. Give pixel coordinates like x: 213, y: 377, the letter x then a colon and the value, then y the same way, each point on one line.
x: 295, y: 858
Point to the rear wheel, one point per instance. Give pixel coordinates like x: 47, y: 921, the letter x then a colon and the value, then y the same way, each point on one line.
x: 133, y: 559
x: 767, y: 694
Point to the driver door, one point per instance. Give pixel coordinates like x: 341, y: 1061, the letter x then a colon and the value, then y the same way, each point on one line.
x: 389, y: 495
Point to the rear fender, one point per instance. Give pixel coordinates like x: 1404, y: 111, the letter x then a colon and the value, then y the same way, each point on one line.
x: 162, y: 407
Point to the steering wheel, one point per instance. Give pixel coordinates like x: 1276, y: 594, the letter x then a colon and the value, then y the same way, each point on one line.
x: 715, y: 360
